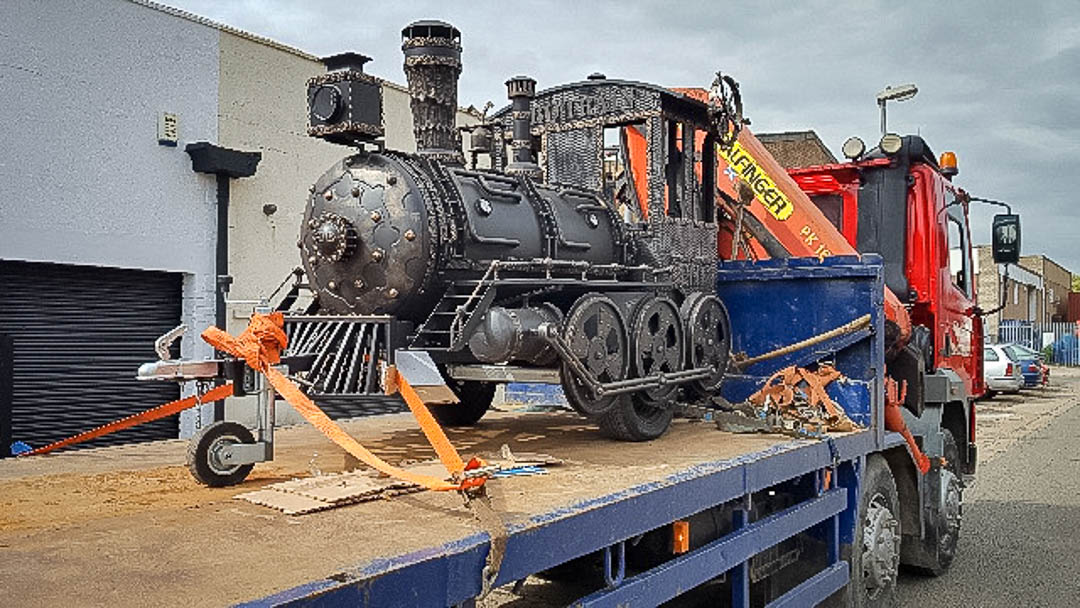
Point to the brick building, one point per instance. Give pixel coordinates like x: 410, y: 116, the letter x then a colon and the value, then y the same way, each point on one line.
x: 796, y: 148
x: 1024, y: 291
x: 1058, y: 283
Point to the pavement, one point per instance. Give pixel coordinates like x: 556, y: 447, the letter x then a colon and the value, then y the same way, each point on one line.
x: 1018, y: 539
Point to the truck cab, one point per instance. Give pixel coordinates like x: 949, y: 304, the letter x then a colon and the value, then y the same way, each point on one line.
x: 899, y: 201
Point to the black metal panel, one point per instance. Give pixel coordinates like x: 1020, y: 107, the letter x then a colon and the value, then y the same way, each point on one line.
x: 80, y: 334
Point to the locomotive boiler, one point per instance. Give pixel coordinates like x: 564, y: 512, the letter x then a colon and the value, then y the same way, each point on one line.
x: 541, y: 257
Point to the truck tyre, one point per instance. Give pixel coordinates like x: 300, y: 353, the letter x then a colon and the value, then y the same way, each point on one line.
x: 875, y: 555
x: 475, y: 399
x: 945, y: 522
x: 204, y: 454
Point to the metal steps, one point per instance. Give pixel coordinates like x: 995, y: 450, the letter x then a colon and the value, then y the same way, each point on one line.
x: 455, y: 315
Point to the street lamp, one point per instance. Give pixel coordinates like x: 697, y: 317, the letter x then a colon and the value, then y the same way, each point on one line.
x: 901, y: 92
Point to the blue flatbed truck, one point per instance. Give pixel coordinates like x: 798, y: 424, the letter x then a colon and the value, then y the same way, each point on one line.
x: 772, y: 523
x: 764, y: 519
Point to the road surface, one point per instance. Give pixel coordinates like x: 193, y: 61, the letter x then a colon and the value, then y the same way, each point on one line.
x: 1018, y: 540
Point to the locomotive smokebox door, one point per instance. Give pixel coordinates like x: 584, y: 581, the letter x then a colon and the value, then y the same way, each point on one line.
x: 345, y: 104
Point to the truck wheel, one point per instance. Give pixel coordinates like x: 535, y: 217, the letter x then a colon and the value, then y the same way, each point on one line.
x: 875, y: 559
x: 475, y: 400
x: 205, y: 454
x: 635, y: 419
x: 946, y: 522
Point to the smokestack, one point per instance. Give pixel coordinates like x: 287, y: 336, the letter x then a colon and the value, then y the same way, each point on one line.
x: 432, y: 66
x: 521, y: 90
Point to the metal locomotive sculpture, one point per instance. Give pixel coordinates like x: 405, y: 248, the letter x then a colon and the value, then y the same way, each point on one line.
x: 570, y: 267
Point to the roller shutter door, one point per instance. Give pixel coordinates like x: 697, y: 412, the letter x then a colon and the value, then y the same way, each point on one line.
x: 80, y: 334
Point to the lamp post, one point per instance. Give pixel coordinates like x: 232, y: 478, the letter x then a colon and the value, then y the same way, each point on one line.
x: 901, y: 92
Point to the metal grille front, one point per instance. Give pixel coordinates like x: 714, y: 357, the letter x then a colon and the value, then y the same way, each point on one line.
x: 80, y: 334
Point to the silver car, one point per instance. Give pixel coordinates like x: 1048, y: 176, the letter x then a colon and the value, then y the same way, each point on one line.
x: 1000, y: 372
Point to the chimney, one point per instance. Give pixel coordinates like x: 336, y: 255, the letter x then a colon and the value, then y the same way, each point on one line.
x: 432, y: 66
x: 521, y: 90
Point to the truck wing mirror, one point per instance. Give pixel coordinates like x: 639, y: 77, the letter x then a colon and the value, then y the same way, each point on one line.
x: 1006, y: 238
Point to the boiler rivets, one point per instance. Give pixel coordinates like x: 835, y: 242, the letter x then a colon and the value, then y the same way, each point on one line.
x: 391, y: 292
x: 359, y: 284
x: 331, y: 285
x: 328, y: 195
x: 410, y: 235
x: 392, y: 179
x: 377, y: 255
x: 356, y: 191
x: 376, y: 216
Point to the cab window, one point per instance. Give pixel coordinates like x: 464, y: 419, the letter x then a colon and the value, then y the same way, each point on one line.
x: 958, y: 258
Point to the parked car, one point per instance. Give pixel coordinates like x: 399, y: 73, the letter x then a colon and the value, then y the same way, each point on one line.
x: 1000, y: 371
x: 1035, y: 372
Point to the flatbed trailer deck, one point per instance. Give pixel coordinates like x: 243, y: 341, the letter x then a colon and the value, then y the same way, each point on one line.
x: 153, y: 537
x: 137, y: 530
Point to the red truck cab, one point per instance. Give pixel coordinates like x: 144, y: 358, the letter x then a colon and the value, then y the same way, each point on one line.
x: 902, y: 205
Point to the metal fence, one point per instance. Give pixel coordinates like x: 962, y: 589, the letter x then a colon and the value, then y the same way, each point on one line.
x: 1059, y: 341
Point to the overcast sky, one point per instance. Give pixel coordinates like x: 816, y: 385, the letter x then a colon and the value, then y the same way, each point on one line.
x: 999, y: 82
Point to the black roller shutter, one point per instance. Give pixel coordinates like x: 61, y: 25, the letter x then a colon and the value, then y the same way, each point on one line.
x: 80, y: 334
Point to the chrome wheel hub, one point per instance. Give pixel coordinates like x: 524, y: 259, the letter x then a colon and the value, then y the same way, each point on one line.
x: 881, y: 547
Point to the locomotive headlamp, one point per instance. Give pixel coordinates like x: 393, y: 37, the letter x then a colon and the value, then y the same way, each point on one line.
x: 853, y: 148
x: 345, y: 104
x: 326, y: 103
x: 891, y: 143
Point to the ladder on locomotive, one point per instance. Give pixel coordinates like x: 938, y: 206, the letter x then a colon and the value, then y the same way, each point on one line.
x: 456, y: 314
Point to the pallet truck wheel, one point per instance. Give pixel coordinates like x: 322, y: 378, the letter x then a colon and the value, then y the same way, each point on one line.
x: 204, y: 454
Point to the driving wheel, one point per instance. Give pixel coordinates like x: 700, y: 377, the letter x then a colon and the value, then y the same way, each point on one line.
x: 596, y: 334
x: 709, y: 341
x: 658, y: 345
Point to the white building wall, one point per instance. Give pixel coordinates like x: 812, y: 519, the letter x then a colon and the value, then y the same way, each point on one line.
x: 83, y: 179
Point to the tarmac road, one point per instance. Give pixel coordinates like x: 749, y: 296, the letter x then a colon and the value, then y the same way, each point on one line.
x: 1020, y: 536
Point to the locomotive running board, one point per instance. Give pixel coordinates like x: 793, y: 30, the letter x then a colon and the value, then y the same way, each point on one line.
x: 503, y: 373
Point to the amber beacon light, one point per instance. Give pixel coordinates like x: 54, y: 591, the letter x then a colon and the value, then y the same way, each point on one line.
x: 948, y: 164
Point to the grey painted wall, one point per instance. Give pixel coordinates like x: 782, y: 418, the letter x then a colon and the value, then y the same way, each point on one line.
x: 82, y: 177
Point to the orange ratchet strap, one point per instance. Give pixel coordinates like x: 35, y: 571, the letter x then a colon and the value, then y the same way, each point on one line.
x: 260, y: 345
x: 161, y: 411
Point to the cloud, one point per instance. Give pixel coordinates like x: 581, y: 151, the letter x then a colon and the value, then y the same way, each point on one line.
x: 998, y: 81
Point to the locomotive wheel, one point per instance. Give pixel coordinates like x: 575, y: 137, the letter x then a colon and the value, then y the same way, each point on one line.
x: 596, y: 333
x: 635, y: 419
x: 659, y: 345
x: 709, y: 343
x: 475, y: 399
